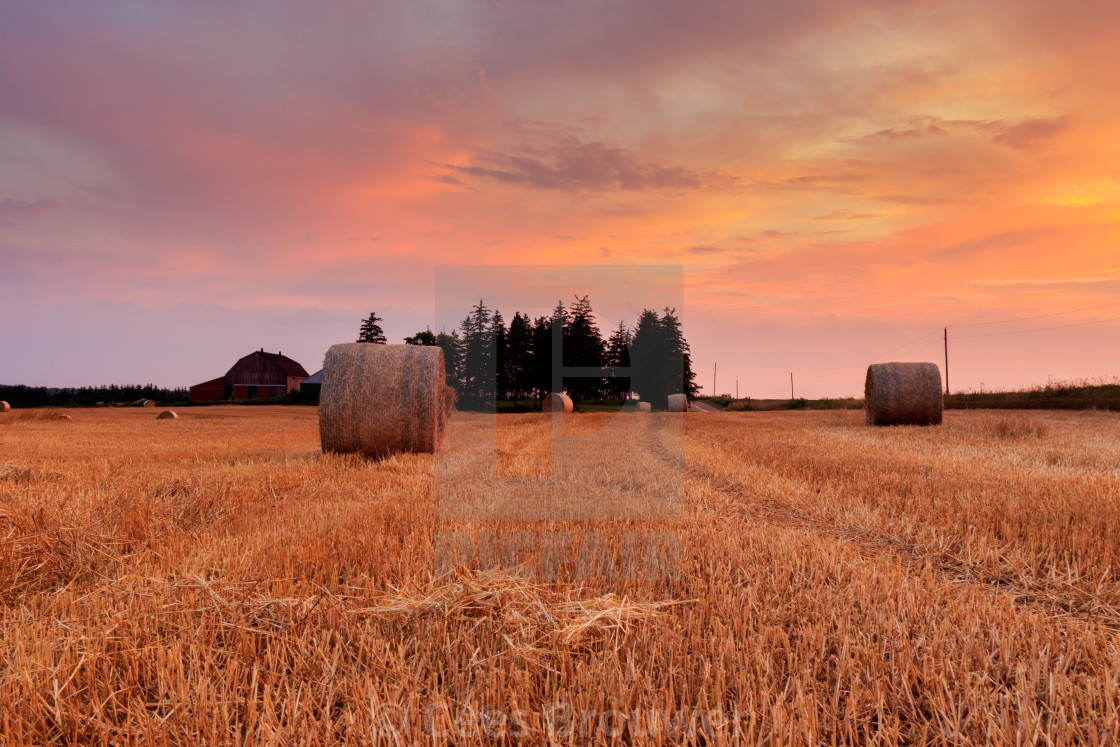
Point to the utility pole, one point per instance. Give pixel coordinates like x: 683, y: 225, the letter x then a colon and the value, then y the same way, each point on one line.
x: 791, y: 385
x: 946, y: 361
x: 715, y: 367
x: 736, y: 387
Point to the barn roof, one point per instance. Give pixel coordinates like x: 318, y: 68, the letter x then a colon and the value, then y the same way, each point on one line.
x: 315, y: 378
x: 287, y: 365
x: 212, y: 384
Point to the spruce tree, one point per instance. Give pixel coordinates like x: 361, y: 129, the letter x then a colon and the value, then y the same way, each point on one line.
x: 501, y: 356
x: 651, y: 376
x: 618, y: 356
x: 540, y: 371
x: 476, y: 357
x: 519, y: 356
x: 371, y: 331
x: 583, y: 346
x: 680, y: 352
x: 449, y: 343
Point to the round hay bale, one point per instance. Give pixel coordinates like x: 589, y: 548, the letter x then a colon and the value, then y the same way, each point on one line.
x: 149, y: 403
x: 645, y: 407
x: 167, y: 415
x: 903, y: 394
x: 378, y: 400
x: 65, y: 416
x: 557, y: 402
x: 4, y: 406
x: 678, y: 403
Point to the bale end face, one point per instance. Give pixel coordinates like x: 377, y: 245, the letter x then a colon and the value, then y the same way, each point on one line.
x: 557, y: 402
x: 167, y: 415
x: 378, y: 400
x: 645, y: 407
x: 903, y: 394
x: 4, y: 406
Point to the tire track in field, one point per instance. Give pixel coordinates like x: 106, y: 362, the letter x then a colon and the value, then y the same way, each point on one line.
x: 747, y: 507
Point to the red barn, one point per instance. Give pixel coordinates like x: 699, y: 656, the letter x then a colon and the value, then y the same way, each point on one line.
x: 256, y: 376
x: 209, y: 391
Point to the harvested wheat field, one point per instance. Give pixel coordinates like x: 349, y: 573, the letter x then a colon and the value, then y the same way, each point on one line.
x: 790, y: 577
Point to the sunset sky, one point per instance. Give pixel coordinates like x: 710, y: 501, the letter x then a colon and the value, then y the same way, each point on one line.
x: 184, y: 182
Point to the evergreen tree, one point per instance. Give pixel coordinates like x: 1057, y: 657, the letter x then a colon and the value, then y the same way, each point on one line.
x: 476, y: 358
x: 519, y: 356
x: 449, y: 343
x: 650, y: 377
x: 540, y: 366
x: 618, y: 356
x: 501, y: 356
x: 661, y: 358
x: 679, y: 351
x: 583, y: 346
x: 371, y: 331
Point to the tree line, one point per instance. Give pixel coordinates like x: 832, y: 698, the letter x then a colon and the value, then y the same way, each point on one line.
x: 488, y: 360
x: 85, y: 396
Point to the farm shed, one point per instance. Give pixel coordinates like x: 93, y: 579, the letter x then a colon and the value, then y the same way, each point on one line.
x: 313, y: 383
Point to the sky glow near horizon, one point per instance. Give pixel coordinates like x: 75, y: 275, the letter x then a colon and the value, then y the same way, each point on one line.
x: 184, y: 183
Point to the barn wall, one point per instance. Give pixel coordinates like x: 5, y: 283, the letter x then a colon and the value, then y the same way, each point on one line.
x: 258, y: 391
x: 207, y: 394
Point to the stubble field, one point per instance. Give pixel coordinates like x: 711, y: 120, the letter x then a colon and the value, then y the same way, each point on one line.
x: 789, y: 577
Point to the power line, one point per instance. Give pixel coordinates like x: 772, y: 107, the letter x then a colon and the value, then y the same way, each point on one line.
x: 923, y: 337
x: 1036, y: 316
x: 871, y: 357
x: 1041, y: 329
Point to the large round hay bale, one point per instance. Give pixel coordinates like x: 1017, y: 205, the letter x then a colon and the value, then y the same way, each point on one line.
x: 645, y: 407
x: 903, y: 394
x: 4, y: 406
x: 378, y: 400
x: 678, y: 403
x: 557, y: 402
x: 149, y: 403
x: 167, y: 415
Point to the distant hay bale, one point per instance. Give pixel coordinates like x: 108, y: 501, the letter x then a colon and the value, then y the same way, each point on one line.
x: 678, y: 403
x: 167, y: 415
x: 645, y: 407
x: 378, y: 400
x: 4, y: 406
x: 557, y: 402
x: 149, y: 403
x: 65, y: 416
x: 903, y: 394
